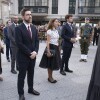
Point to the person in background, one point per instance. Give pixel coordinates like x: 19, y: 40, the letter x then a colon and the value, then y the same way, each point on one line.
x: 1, y: 50
x: 94, y: 85
x: 49, y: 60
x: 59, y: 29
x: 96, y: 34
x: 11, y: 35
x: 6, y: 40
x: 86, y: 35
x: 68, y: 37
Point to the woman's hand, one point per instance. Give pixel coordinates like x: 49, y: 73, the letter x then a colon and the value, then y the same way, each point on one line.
x: 49, y: 54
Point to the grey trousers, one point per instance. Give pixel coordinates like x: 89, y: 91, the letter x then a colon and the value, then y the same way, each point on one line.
x: 13, y: 59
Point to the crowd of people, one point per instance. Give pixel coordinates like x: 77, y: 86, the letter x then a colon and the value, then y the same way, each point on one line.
x: 22, y: 45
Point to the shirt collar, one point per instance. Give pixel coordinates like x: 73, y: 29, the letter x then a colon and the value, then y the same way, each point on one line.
x: 15, y: 24
x: 26, y: 24
x: 69, y: 23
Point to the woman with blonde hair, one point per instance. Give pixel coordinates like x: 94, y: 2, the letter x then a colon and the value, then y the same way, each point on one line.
x: 51, y: 57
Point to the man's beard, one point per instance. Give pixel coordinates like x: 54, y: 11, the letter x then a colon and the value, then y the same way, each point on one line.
x: 28, y: 21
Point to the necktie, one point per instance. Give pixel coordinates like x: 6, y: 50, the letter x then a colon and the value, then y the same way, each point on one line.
x: 30, y: 33
x: 71, y: 27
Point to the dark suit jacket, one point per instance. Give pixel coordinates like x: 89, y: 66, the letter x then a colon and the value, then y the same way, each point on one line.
x: 11, y: 35
x: 25, y: 43
x: 96, y: 31
x: 67, y: 34
x: 6, y: 38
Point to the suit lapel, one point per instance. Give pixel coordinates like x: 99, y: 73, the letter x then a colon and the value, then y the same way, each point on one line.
x: 68, y: 27
x: 13, y: 27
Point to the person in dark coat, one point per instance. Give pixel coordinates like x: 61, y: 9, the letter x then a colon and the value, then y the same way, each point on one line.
x: 27, y: 42
x: 96, y: 34
x: 94, y: 86
x: 7, y: 41
x: 11, y: 35
x: 68, y: 37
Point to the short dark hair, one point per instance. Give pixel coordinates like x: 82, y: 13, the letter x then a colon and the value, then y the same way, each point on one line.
x: 68, y: 16
x: 24, y: 10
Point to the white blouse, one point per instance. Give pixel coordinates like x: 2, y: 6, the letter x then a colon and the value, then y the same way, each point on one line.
x: 54, y: 36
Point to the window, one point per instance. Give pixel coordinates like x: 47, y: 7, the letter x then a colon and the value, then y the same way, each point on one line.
x: 38, y: 2
x: 54, y: 6
x: 97, y: 3
x: 32, y: 2
x: 89, y: 6
x: 35, y: 5
x: 44, y: 2
x: 26, y: 2
x: 72, y: 5
x: 35, y: 2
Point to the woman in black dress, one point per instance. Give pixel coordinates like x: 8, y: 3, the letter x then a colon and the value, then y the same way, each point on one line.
x: 94, y: 86
x: 49, y: 61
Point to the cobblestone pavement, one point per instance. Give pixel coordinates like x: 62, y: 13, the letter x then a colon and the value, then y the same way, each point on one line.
x: 70, y: 87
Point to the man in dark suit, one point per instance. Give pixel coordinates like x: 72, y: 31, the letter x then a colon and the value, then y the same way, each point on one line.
x: 11, y: 35
x: 6, y: 40
x: 68, y: 37
x: 28, y: 44
x: 96, y: 34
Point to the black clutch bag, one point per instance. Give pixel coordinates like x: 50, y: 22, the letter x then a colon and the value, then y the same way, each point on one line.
x: 51, y: 51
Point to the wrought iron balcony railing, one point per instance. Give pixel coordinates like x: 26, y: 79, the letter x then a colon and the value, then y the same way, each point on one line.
x: 89, y: 10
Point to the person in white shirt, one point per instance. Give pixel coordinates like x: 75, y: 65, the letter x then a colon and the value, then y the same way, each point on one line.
x: 51, y: 60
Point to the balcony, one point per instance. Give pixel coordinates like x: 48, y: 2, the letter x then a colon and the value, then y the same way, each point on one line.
x: 38, y: 9
x: 88, y: 10
x: 92, y: 7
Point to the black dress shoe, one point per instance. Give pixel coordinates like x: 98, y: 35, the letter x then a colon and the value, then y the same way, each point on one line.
x: 62, y: 72
x: 81, y: 60
x: 85, y: 60
x: 1, y: 79
x: 69, y: 71
x: 52, y: 80
x: 13, y: 71
x: 34, y: 92
x: 21, y: 97
x: 8, y: 60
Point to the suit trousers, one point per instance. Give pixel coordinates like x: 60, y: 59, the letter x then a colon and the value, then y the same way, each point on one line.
x: 13, y: 59
x: 25, y: 67
x: 95, y: 38
x: 8, y: 50
x: 65, y: 57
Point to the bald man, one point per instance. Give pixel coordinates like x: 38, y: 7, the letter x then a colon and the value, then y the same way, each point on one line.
x: 11, y: 34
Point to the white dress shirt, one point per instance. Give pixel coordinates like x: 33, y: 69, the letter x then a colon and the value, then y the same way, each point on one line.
x: 27, y: 27
x: 54, y: 36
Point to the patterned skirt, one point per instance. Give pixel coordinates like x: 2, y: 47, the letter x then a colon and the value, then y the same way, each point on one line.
x: 54, y: 62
